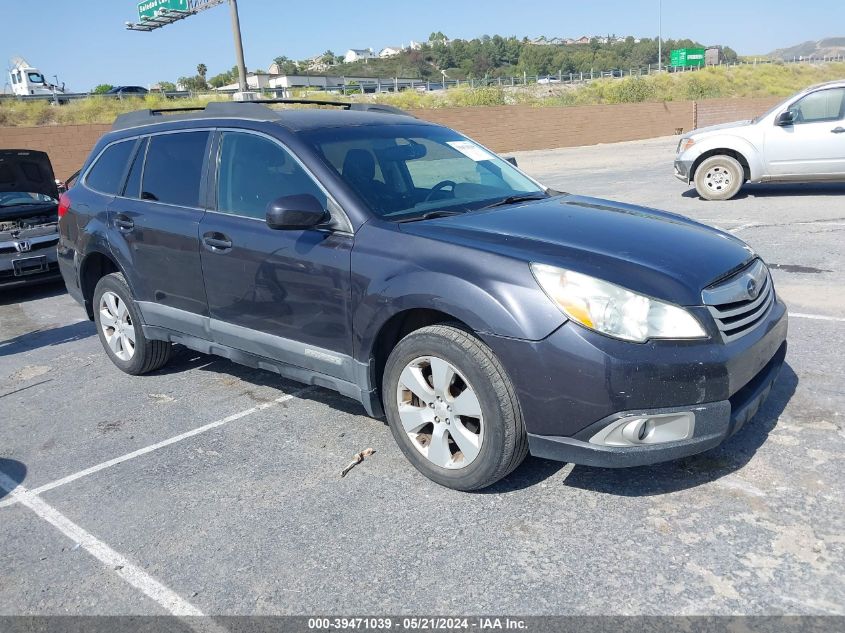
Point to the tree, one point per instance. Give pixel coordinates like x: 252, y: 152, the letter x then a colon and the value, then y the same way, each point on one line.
x: 328, y: 58
x: 202, y: 69
x: 193, y: 84
x: 102, y: 89
x: 167, y: 86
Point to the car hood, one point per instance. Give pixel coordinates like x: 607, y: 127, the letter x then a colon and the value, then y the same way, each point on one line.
x: 663, y: 255
x: 27, y: 170
x: 718, y: 128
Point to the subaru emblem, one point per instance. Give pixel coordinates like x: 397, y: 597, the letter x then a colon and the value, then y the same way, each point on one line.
x: 751, y: 288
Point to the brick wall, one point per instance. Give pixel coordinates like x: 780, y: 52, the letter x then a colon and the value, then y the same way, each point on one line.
x: 501, y: 128
x: 714, y: 111
x: 67, y: 145
x: 508, y: 128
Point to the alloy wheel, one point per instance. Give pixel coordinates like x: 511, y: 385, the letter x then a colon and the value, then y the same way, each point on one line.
x: 440, y: 412
x: 116, y: 325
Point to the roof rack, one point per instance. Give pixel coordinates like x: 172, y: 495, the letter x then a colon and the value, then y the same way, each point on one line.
x: 256, y: 110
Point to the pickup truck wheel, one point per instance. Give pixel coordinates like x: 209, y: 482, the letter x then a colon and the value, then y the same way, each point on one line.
x: 719, y: 178
x: 452, y: 409
x: 119, y: 329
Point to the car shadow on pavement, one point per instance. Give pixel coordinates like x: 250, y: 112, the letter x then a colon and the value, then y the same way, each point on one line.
x: 11, y: 472
x: 46, y: 338
x: 695, y: 470
x: 43, y: 290
x: 771, y: 190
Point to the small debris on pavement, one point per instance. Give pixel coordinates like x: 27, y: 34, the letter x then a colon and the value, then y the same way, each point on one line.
x: 359, y: 457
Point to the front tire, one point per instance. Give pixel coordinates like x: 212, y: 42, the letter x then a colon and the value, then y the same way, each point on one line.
x: 719, y: 178
x: 119, y: 328
x: 452, y: 408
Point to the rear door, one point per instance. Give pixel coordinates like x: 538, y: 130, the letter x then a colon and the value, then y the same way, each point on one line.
x: 814, y: 146
x: 281, y: 294
x: 153, y: 229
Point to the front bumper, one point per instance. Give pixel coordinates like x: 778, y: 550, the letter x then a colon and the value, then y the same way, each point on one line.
x: 31, y: 267
x: 683, y: 170
x: 576, y: 382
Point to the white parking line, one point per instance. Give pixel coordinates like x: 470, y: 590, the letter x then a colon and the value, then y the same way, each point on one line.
x: 817, y: 317
x: 132, y: 574
x: 152, y: 447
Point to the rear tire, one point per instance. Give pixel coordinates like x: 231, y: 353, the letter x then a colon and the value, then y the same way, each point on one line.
x: 719, y: 178
x: 460, y: 424
x: 119, y: 328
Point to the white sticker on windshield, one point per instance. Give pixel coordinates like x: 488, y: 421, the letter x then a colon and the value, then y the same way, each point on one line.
x: 471, y: 150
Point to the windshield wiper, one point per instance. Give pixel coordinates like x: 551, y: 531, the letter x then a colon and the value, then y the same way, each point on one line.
x: 519, y: 198
x: 431, y: 215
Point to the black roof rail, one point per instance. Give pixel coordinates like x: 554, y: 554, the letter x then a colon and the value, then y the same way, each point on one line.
x: 256, y: 110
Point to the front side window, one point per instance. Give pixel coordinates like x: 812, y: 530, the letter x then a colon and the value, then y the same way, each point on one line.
x: 36, y: 78
x: 106, y: 176
x: 405, y: 171
x: 254, y: 171
x: 823, y: 105
x: 173, y: 169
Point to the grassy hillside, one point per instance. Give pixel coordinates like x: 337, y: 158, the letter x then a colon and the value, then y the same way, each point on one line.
x: 769, y: 80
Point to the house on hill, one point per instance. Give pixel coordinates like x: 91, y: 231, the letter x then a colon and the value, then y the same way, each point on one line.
x: 358, y: 54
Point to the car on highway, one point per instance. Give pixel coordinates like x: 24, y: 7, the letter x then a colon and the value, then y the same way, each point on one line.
x: 800, y: 140
x: 406, y: 266
x: 127, y: 91
x: 28, y: 218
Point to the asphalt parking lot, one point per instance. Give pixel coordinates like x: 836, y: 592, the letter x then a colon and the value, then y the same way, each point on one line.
x: 212, y: 488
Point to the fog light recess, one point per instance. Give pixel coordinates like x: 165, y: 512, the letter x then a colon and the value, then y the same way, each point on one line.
x: 637, y: 430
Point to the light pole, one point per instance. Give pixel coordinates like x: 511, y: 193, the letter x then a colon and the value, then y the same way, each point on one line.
x: 659, y: 35
x: 239, y: 47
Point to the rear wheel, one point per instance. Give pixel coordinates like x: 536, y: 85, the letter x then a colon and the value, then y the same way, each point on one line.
x: 119, y: 329
x: 719, y: 178
x: 452, y: 409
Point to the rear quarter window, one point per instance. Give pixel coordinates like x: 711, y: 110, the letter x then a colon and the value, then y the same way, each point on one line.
x: 106, y: 176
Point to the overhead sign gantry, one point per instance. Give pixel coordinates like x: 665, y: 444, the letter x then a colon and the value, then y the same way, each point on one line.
x: 154, y: 14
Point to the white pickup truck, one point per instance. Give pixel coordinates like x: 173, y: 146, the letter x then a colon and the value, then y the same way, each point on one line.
x: 799, y: 140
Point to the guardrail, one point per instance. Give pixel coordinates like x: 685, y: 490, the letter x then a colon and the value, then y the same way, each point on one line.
x: 376, y: 85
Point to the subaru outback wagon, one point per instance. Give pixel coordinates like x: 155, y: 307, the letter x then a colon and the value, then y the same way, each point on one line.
x: 408, y: 267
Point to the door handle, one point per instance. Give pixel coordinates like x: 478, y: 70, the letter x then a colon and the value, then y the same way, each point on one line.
x: 838, y: 130
x: 124, y: 223
x: 217, y: 242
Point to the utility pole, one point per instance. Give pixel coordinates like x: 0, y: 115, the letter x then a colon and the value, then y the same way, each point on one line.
x: 239, y: 47
x: 659, y: 35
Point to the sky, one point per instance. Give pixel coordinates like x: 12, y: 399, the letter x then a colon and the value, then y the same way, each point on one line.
x: 85, y: 43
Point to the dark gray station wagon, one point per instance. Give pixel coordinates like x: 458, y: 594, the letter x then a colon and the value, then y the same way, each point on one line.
x: 406, y: 266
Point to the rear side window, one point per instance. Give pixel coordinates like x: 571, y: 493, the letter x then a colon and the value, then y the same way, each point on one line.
x: 173, y: 169
x: 107, y: 174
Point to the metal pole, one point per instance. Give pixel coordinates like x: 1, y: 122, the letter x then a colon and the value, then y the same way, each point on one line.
x: 659, y: 35
x: 239, y: 47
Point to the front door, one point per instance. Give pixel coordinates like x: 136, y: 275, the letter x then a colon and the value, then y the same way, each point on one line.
x: 280, y: 294
x: 814, y: 146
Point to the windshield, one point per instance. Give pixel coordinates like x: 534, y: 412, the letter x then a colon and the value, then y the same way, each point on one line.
x: 15, y: 198
x: 409, y: 171
x: 772, y: 110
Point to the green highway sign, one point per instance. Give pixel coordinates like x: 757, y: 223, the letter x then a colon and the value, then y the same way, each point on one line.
x: 684, y: 57
x: 150, y: 8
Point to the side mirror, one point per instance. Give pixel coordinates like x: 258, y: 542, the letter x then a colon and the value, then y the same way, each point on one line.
x: 785, y: 118
x: 511, y: 160
x: 289, y: 213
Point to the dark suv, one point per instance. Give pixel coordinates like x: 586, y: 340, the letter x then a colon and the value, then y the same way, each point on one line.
x: 410, y: 268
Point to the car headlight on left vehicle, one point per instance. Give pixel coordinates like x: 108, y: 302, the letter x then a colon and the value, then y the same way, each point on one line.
x: 684, y: 144
x: 613, y: 310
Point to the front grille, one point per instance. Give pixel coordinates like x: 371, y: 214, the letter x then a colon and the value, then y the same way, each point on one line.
x: 742, y: 302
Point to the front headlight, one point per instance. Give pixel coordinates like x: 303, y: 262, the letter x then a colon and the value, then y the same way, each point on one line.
x: 684, y: 144
x: 614, y: 310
